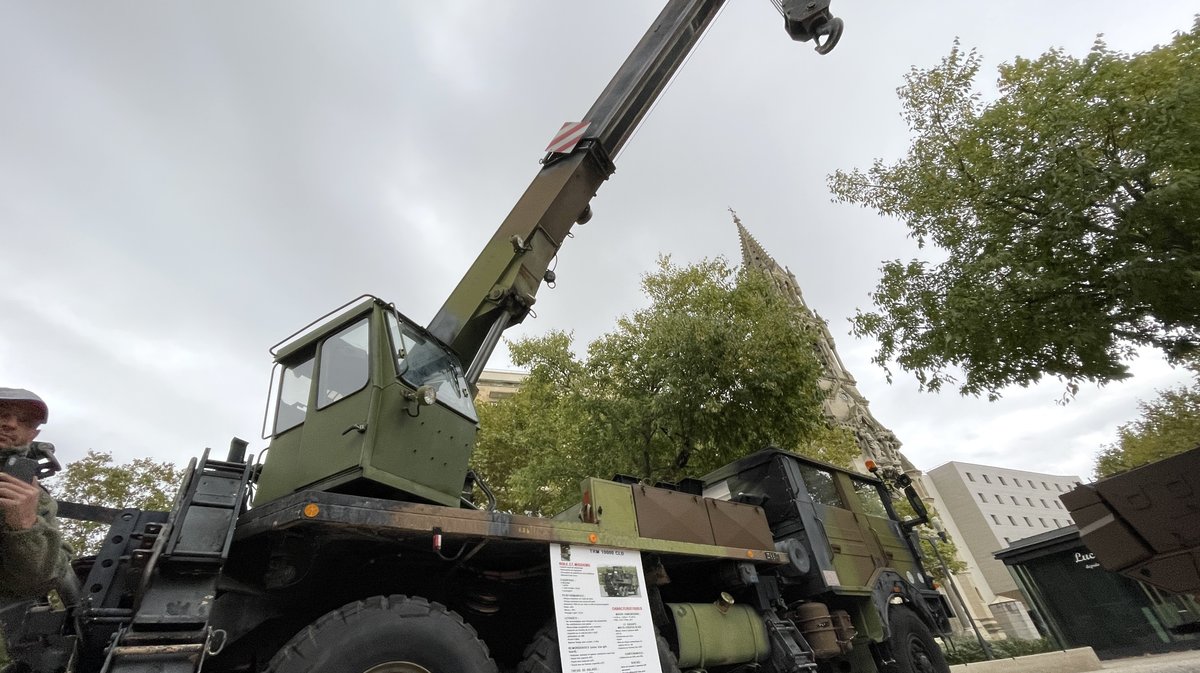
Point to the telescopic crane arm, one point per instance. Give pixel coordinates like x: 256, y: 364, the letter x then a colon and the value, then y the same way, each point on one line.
x: 500, y: 287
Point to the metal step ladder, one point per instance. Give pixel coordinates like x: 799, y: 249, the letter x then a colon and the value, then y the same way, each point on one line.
x: 169, y: 632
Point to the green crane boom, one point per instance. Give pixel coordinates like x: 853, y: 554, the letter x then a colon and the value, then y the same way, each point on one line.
x: 500, y: 287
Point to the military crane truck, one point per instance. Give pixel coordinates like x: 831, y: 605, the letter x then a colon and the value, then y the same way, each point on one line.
x: 354, y: 543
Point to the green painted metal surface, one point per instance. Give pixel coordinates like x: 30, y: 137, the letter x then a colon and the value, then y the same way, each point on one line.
x: 361, y: 430
x: 709, y: 635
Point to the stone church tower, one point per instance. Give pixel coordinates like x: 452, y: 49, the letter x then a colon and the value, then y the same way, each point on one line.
x: 844, y: 405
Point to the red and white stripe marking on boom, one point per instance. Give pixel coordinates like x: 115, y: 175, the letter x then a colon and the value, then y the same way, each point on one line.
x: 568, y: 137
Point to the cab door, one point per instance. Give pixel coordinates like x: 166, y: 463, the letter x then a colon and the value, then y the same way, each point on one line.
x: 336, y: 427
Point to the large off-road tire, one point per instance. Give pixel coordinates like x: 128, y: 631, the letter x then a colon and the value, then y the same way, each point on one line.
x: 913, y: 645
x: 386, y: 634
x: 542, y: 656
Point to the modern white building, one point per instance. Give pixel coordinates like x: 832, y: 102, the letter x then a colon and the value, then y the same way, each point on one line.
x: 985, y: 508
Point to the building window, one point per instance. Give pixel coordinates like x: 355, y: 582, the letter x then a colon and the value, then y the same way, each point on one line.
x: 996, y: 519
x: 1044, y: 504
x: 1017, y: 482
x: 1058, y: 504
x: 999, y: 499
x: 1030, y: 501
x: 982, y: 498
x: 1007, y: 541
x: 1015, y: 501
x: 1059, y: 487
x: 985, y: 479
x: 1044, y: 524
x: 1002, y: 482
x: 970, y: 477
x: 1057, y: 523
x: 1045, y: 486
x: 1028, y: 522
x: 1012, y: 520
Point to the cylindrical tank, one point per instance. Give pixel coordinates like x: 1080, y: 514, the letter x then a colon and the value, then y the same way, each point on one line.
x: 843, y: 625
x: 814, y: 622
x: 709, y: 636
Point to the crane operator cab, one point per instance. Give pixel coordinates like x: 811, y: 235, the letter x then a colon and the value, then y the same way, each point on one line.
x: 368, y: 403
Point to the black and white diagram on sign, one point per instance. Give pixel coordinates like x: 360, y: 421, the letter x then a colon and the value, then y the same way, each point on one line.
x: 602, y: 610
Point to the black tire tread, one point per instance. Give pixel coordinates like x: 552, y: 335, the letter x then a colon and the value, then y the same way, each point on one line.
x: 542, y: 656
x: 903, y: 622
x: 300, y: 648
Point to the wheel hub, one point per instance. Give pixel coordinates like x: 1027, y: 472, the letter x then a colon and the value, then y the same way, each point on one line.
x: 920, y: 657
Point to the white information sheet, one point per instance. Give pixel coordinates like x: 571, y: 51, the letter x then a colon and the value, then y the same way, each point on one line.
x: 603, y: 613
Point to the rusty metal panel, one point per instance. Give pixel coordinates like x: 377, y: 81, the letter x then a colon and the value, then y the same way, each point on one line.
x: 1161, y: 501
x: 1115, y: 545
x: 1145, y: 522
x: 671, y: 515
x: 1178, y: 572
x: 735, y: 524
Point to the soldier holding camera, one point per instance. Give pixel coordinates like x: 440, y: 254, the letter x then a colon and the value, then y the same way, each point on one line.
x: 33, y: 556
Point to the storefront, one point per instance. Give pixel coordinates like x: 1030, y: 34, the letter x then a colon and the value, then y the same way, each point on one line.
x: 1082, y: 604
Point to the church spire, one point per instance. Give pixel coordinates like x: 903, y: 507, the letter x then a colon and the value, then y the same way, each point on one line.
x: 754, y: 256
x: 844, y: 405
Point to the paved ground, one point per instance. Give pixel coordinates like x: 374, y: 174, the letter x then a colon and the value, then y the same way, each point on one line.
x: 1176, y: 662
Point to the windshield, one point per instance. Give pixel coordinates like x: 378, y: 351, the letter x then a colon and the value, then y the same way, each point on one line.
x: 422, y: 361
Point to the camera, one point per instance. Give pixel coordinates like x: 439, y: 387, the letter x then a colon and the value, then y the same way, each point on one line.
x: 20, y: 467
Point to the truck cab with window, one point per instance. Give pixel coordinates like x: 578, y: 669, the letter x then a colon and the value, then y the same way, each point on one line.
x: 849, y: 546
x: 368, y: 403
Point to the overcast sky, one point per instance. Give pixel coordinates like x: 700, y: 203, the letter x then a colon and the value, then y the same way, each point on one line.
x: 184, y: 185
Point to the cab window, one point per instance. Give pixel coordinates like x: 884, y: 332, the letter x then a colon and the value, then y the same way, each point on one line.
x: 345, y: 367
x: 422, y: 361
x: 868, y: 496
x: 820, y: 486
x: 295, y: 382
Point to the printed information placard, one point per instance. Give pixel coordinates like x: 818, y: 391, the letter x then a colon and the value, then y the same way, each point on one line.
x: 602, y: 610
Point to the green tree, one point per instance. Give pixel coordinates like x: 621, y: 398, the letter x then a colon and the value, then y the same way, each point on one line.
x: 96, y: 480
x: 1066, y: 213
x: 717, y: 366
x: 530, y: 444
x: 1169, y: 424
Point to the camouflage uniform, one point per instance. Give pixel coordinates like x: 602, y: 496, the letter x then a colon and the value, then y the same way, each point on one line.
x: 31, y: 561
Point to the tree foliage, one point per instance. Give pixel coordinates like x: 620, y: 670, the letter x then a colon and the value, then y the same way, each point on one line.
x: 718, y: 366
x: 1169, y: 424
x: 96, y: 480
x: 1066, y: 211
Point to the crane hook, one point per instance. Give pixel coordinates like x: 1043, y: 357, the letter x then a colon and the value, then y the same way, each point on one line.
x: 832, y: 30
x: 807, y: 20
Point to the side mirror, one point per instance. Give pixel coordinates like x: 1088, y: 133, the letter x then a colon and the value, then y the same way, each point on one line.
x: 914, y: 499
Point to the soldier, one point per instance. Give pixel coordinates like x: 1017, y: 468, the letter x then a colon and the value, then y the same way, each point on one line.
x: 33, y: 555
